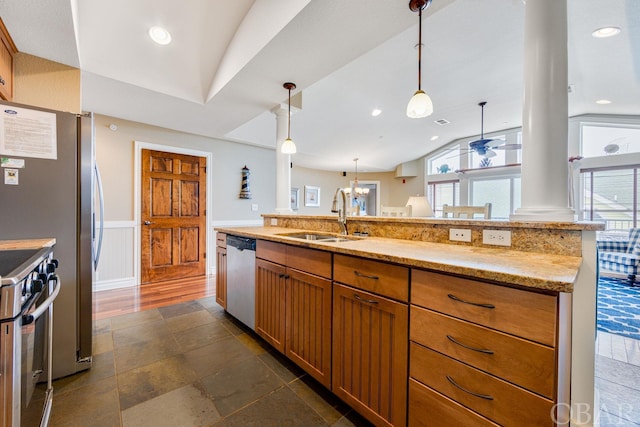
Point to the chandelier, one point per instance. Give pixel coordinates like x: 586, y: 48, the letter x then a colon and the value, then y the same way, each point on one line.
x: 355, y: 189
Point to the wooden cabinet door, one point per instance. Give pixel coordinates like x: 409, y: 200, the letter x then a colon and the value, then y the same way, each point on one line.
x: 221, y: 276
x: 308, y: 325
x: 7, y: 49
x: 370, y: 340
x: 270, y: 302
x: 173, y: 216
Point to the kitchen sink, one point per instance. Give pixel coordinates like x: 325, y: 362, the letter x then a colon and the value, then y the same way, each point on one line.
x: 320, y: 237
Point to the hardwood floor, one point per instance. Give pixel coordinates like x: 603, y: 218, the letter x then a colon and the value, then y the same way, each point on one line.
x: 151, y: 295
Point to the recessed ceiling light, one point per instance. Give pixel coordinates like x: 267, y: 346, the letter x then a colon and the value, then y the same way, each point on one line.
x: 604, y: 32
x: 159, y: 35
x: 376, y: 112
x: 434, y: 137
x: 603, y: 101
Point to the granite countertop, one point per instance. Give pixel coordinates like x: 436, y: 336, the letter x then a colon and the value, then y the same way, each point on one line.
x: 6, y: 245
x: 533, y: 270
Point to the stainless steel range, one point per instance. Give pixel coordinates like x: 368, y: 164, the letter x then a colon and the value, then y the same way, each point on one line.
x: 28, y: 287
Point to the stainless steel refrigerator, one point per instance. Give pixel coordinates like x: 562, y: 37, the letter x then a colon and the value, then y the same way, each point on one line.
x: 47, y: 190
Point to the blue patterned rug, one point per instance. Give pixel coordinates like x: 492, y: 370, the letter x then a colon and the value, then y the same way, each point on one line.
x: 618, y: 307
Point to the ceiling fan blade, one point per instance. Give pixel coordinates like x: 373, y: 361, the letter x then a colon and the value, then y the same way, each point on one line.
x: 489, y: 154
x: 494, y: 142
x: 507, y: 147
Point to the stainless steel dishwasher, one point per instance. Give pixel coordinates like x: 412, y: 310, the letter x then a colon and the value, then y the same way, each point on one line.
x: 241, y: 279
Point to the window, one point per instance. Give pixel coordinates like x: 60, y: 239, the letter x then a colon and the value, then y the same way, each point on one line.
x: 443, y: 192
x: 603, y: 140
x: 611, y: 195
x: 503, y: 193
x: 447, y: 161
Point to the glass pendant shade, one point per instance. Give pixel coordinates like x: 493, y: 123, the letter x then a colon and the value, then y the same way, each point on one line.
x: 420, y: 105
x: 288, y: 147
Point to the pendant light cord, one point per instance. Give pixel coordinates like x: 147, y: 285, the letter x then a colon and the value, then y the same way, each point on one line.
x: 420, y: 49
x: 289, y: 117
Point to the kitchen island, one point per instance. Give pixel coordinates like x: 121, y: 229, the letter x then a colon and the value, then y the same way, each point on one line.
x: 520, y: 300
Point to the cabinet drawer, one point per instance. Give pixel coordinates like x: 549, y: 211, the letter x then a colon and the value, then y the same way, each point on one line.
x: 375, y: 276
x: 521, y: 362
x: 491, y: 397
x: 221, y: 240
x: 309, y: 260
x: 526, y: 314
x: 430, y: 408
x: 271, y: 251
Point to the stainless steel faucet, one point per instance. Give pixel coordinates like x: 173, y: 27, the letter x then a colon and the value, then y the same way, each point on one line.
x: 342, y: 213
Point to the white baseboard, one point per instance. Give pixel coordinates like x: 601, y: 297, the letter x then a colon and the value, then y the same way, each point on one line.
x: 108, y: 285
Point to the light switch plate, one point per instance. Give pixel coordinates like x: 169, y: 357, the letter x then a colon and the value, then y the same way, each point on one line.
x: 254, y: 207
x: 274, y: 221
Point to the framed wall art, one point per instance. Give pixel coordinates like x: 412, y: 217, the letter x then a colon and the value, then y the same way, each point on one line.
x: 311, y: 196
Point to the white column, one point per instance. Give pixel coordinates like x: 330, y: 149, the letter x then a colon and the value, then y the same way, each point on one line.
x: 283, y: 162
x: 545, y: 166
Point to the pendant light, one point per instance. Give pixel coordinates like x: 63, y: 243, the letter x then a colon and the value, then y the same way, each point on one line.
x: 420, y: 104
x: 357, y: 191
x: 288, y: 146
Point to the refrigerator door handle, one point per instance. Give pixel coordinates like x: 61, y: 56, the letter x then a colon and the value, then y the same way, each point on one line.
x: 101, y: 200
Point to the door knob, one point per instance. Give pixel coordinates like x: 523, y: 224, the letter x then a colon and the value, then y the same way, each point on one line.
x: 148, y: 222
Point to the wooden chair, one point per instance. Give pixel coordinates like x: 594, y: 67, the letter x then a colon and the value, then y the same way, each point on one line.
x: 395, y: 211
x: 466, y: 211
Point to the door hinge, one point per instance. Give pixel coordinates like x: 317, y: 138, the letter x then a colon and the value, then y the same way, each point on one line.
x: 205, y: 255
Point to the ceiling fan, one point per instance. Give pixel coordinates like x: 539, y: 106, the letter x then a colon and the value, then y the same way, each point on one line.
x: 485, y: 146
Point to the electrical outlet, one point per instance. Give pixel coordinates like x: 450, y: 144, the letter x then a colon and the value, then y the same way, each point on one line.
x: 254, y: 207
x: 274, y: 221
x: 496, y: 237
x: 460, y: 234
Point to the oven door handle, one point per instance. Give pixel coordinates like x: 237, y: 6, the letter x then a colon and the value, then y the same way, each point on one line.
x: 30, y: 318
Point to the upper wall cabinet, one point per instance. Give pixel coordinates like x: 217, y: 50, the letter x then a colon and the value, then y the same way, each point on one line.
x: 7, y: 49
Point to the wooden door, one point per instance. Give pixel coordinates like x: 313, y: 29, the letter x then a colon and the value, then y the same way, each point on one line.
x: 370, y: 347
x: 173, y: 216
x: 270, y: 302
x: 308, y: 324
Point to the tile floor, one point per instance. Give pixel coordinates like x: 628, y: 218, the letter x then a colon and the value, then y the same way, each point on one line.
x: 617, y: 380
x: 190, y: 364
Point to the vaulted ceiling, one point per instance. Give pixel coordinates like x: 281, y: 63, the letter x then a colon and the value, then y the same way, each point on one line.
x: 224, y: 70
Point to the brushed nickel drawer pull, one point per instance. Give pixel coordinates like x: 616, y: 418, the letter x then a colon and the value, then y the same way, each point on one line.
x: 368, y: 301
x: 477, y: 304
x: 357, y: 273
x: 482, y: 396
x: 480, y: 350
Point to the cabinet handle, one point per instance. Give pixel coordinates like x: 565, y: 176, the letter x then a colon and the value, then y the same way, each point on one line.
x: 477, y: 304
x: 283, y: 276
x: 368, y: 301
x: 482, y: 396
x: 2, y: 82
x: 480, y: 350
x: 357, y: 273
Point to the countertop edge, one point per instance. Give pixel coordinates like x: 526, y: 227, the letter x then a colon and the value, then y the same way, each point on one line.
x: 539, y: 271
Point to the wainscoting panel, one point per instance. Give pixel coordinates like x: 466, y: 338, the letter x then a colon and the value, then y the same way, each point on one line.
x: 116, y: 269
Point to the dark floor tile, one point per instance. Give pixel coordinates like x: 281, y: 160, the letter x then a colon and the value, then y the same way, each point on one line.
x: 141, y: 384
x: 283, y: 367
x: 185, y: 406
x: 352, y: 419
x: 214, y: 357
x: 149, y: 331
x: 101, y: 326
x: 240, y: 384
x: 234, y: 325
x: 93, y: 405
x: 102, y: 367
x: 280, y: 408
x: 135, y: 319
x: 187, y: 321
x: 314, y: 394
x: 201, y: 336
x: 102, y: 343
x: 180, y: 309
x: 209, y: 303
x: 144, y: 353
